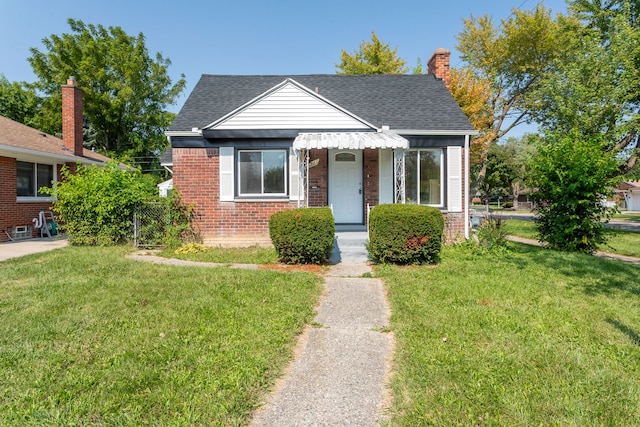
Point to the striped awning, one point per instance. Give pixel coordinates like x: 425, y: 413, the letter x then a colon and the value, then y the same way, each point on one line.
x: 349, y: 140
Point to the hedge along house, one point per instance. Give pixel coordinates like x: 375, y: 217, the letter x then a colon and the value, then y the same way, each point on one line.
x: 244, y: 147
x: 30, y: 160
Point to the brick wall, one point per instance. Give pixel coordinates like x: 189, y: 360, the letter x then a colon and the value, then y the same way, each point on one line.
x: 371, y: 180
x: 240, y: 223
x: 318, y: 179
x: 14, y: 213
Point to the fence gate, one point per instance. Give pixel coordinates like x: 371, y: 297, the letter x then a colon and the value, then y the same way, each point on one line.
x: 150, y: 224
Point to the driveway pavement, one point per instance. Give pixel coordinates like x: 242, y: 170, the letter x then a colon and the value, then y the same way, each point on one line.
x: 25, y: 247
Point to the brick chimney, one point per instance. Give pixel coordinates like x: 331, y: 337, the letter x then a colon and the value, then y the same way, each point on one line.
x: 439, y: 65
x: 72, y: 116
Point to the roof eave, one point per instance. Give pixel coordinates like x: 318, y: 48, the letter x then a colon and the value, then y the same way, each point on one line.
x: 193, y: 132
x: 433, y: 132
x: 59, y: 157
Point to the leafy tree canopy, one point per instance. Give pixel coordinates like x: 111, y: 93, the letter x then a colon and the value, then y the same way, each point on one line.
x: 504, y: 63
x: 595, y: 87
x: 373, y: 57
x: 126, y: 91
x: 17, y: 102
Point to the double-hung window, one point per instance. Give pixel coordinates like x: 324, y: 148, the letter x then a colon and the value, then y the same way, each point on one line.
x: 424, y: 177
x: 31, y: 177
x: 262, y: 172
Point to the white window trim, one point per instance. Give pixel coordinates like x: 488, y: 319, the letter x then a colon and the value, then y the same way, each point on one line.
x: 285, y: 152
x: 443, y: 182
x: 36, y: 198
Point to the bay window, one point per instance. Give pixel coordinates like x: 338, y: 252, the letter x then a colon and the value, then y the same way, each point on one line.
x: 424, y: 176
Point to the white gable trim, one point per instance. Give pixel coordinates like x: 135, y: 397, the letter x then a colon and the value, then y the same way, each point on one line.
x: 290, y: 105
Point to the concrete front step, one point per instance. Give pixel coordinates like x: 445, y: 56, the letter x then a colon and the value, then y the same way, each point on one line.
x: 350, y: 246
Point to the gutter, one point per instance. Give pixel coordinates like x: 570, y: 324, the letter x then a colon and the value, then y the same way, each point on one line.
x: 43, y: 154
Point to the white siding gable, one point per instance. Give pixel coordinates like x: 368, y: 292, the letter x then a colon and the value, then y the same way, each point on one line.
x: 290, y: 106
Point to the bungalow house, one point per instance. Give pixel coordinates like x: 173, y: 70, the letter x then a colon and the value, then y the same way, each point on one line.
x: 244, y: 147
x: 30, y: 160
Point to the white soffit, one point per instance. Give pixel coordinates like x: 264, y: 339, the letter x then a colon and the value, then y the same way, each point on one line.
x: 349, y: 140
x: 290, y: 105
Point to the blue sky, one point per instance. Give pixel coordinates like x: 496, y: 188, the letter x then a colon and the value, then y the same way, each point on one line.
x: 251, y: 36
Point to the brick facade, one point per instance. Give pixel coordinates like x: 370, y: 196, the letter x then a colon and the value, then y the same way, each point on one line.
x: 12, y: 212
x: 318, y: 178
x: 43, y: 149
x: 240, y: 223
x: 246, y: 222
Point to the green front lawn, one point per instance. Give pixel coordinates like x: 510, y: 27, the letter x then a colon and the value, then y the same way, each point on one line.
x: 620, y: 242
x: 90, y: 338
x: 629, y: 216
x: 526, y: 337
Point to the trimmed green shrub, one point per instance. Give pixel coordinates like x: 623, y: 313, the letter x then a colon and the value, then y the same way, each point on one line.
x: 405, y: 234
x: 507, y: 205
x: 303, y: 235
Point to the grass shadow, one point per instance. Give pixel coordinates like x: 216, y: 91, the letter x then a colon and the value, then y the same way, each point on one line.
x: 630, y: 333
x: 592, y: 274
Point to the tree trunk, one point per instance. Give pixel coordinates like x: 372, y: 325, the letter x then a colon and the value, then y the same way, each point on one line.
x: 477, y: 182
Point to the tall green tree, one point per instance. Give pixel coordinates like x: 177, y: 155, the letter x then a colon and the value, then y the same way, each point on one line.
x: 373, y: 57
x: 18, y: 102
x: 126, y: 90
x: 595, y: 88
x: 572, y: 177
x: 507, y: 61
x: 507, y: 167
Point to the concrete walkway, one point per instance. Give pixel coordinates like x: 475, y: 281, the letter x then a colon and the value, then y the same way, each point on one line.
x: 338, y: 375
x: 31, y: 246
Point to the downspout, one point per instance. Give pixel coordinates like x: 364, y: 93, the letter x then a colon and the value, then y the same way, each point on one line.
x: 306, y: 178
x: 466, y: 186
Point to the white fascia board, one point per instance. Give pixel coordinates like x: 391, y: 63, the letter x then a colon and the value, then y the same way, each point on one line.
x: 194, y: 132
x: 275, y: 89
x: 434, y: 132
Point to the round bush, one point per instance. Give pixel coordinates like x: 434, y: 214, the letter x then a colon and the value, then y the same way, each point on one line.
x: 303, y: 235
x: 405, y: 234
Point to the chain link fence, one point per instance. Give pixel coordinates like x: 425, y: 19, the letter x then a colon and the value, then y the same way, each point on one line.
x: 151, y: 222
x: 161, y: 224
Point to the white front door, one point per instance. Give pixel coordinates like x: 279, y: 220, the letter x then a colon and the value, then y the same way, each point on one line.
x: 345, y: 186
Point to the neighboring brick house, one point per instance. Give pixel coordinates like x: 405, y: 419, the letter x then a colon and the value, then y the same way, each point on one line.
x: 30, y: 160
x: 244, y: 147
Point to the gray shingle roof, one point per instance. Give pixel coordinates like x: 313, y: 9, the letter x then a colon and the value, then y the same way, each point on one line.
x: 401, y: 101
